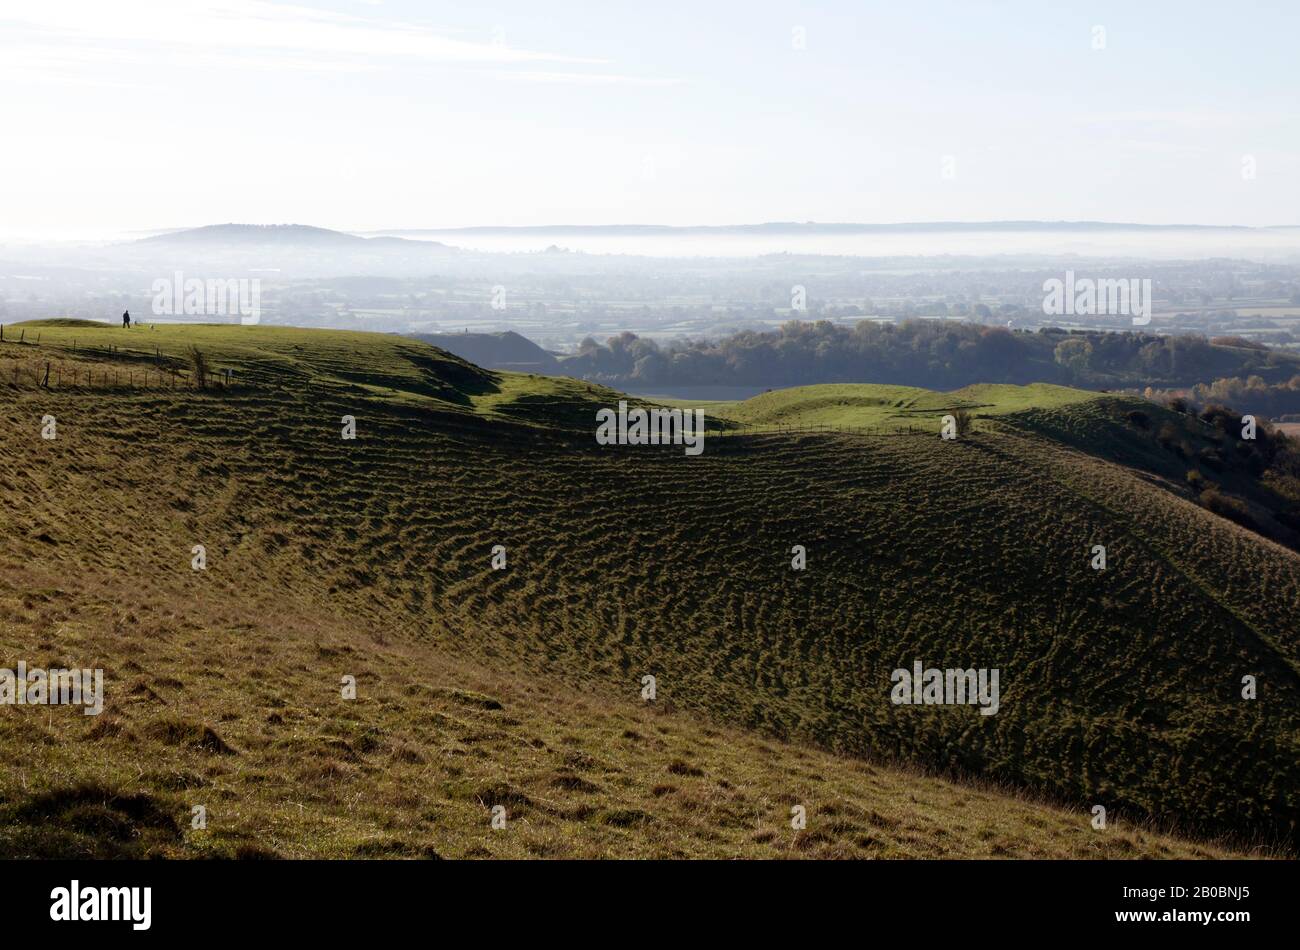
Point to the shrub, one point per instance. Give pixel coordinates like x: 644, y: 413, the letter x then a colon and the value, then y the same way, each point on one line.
x: 1211, y: 459
x: 1228, y: 507
x: 1219, y: 417
x: 1255, y: 463
x: 1237, y: 341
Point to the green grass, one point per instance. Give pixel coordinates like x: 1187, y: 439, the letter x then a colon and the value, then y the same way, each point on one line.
x: 414, y: 765
x: 996, y: 399
x: 375, y: 367
x: 881, y: 408
x: 371, y: 558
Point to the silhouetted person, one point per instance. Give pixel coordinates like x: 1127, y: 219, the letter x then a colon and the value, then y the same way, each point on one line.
x: 126, y: 319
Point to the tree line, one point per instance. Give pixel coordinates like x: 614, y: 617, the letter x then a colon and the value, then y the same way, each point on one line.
x: 935, y: 354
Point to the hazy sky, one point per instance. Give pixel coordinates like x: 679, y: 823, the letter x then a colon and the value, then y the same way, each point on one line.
x: 358, y: 115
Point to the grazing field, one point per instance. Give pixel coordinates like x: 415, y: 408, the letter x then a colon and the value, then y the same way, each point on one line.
x: 521, y: 687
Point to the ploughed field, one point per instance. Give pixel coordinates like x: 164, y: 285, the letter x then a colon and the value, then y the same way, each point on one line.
x: 372, y: 558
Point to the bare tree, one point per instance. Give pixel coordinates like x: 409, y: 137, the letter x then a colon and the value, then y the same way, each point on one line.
x: 199, y: 363
x: 965, y: 421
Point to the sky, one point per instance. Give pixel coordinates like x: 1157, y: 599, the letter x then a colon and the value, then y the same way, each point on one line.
x: 147, y: 114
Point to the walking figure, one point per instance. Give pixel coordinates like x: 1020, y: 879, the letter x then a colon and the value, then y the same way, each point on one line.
x: 126, y: 319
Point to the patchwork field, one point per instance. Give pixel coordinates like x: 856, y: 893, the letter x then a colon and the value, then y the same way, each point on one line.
x: 372, y: 558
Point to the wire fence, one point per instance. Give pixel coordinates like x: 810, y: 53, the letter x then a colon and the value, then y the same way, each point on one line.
x: 104, y: 366
x: 52, y: 374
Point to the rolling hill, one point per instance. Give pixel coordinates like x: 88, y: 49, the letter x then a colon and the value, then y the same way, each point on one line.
x: 507, y: 350
x: 882, y: 408
x: 521, y: 687
x: 266, y: 235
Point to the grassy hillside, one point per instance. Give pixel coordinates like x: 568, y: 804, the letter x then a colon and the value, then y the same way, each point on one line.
x: 507, y: 350
x: 228, y: 697
x: 883, y: 408
x: 372, y: 557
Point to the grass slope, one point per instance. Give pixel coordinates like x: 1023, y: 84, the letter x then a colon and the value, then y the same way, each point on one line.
x: 372, y: 558
x: 882, y: 408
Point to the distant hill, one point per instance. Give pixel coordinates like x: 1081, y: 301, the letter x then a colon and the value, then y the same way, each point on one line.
x: 816, y: 227
x: 273, y: 235
x: 506, y: 350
